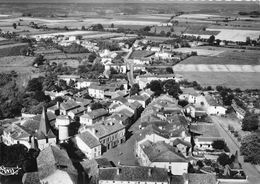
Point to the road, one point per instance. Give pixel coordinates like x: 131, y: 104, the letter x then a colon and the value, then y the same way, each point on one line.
x: 249, y: 169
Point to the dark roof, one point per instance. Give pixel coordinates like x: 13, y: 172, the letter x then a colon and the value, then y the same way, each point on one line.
x: 162, y: 152
x: 177, y: 179
x: 89, y: 139
x: 106, y: 128
x: 205, y: 130
x: 68, y: 105
x: 134, y: 173
x: 31, y: 178
x: 95, y: 113
x: 201, y: 178
x: 53, y: 158
x: 140, y: 54
x: 180, y: 141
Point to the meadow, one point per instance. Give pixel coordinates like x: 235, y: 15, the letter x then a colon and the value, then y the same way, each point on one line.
x: 229, y: 79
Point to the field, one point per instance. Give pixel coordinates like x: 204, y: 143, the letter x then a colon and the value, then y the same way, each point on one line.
x: 236, y: 34
x: 11, y: 49
x: 200, y: 51
x: 227, y: 57
x: 18, y: 63
x: 228, y: 79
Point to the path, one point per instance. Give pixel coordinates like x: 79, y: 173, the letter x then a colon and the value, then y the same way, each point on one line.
x: 249, y: 169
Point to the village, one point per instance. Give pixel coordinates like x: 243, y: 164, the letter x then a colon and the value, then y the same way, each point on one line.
x: 106, y: 105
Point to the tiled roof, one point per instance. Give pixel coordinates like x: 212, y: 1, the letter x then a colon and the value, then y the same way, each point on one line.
x: 134, y: 173
x: 162, y: 152
x: 17, y: 132
x: 139, y: 54
x: 68, y: 105
x: 205, y: 130
x: 190, y: 91
x: 89, y: 139
x: 106, y: 128
x: 211, y: 101
x: 201, y: 178
x: 31, y: 178
x: 95, y: 113
x: 78, y: 110
x: 180, y: 141
x: 53, y: 158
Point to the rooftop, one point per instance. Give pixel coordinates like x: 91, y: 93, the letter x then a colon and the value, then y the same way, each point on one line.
x: 95, y: 113
x: 106, y: 128
x: 211, y: 101
x: 68, y: 105
x: 190, y: 91
x: 205, y: 130
x: 53, y: 158
x: 162, y: 152
x: 89, y: 139
x: 139, y: 54
x: 201, y: 178
x: 133, y: 173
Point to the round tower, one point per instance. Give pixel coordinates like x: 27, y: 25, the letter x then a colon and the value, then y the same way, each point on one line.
x: 63, y: 122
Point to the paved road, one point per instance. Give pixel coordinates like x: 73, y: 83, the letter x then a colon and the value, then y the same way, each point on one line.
x: 250, y: 170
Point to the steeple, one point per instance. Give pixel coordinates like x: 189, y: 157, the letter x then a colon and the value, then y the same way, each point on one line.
x: 44, y: 126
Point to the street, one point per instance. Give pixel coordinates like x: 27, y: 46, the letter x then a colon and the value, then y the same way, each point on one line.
x: 249, y: 169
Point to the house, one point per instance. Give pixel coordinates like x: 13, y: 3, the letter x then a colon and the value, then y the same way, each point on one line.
x: 91, y: 167
x: 88, y: 144
x: 68, y: 78
x: 143, y: 80
x: 92, y: 117
x: 109, y: 133
x: 55, y: 166
x: 240, y: 112
x: 74, y: 113
x: 67, y: 106
x: 198, y: 178
x: 148, y: 92
x: 140, y: 57
x: 213, y: 107
x: 84, y: 83
x: 205, y: 134
x: 34, y: 131
x: 96, y: 91
x: 142, y: 99
x: 162, y: 155
x: 189, y: 94
x: 133, y: 175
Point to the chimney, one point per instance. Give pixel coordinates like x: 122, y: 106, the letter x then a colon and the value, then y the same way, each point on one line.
x: 58, y: 105
x: 118, y: 171
x: 150, y: 172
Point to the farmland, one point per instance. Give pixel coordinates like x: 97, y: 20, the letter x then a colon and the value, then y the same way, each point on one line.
x: 228, y: 79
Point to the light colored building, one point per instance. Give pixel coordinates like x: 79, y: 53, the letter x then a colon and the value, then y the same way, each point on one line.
x: 189, y: 94
x: 133, y: 175
x: 162, y: 155
x: 88, y: 144
x: 109, y: 133
x: 239, y: 111
x: 92, y: 117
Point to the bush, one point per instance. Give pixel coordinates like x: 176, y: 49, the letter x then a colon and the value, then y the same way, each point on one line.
x: 236, y: 133
x: 231, y: 128
x: 219, y: 144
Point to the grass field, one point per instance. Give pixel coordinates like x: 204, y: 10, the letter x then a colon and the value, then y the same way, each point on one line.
x: 228, y: 79
x: 227, y: 56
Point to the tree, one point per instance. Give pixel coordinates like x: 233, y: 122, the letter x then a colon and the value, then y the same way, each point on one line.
x: 147, y: 29
x: 134, y: 89
x: 171, y: 87
x: 223, y: 159
x: 211, y: 40
x: 14, y: 25
x: 83, y: 28
x: 96, y: 105
x: 97, y: 27
x: 250, y: 148
x: 169, y: 70
x: 38, y: 60
x: 35, y: 84
x: 91, y: 57
x: 250, y: 122
x: 219, y: 144
x: 112, y: 25
x: 155, y: 86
